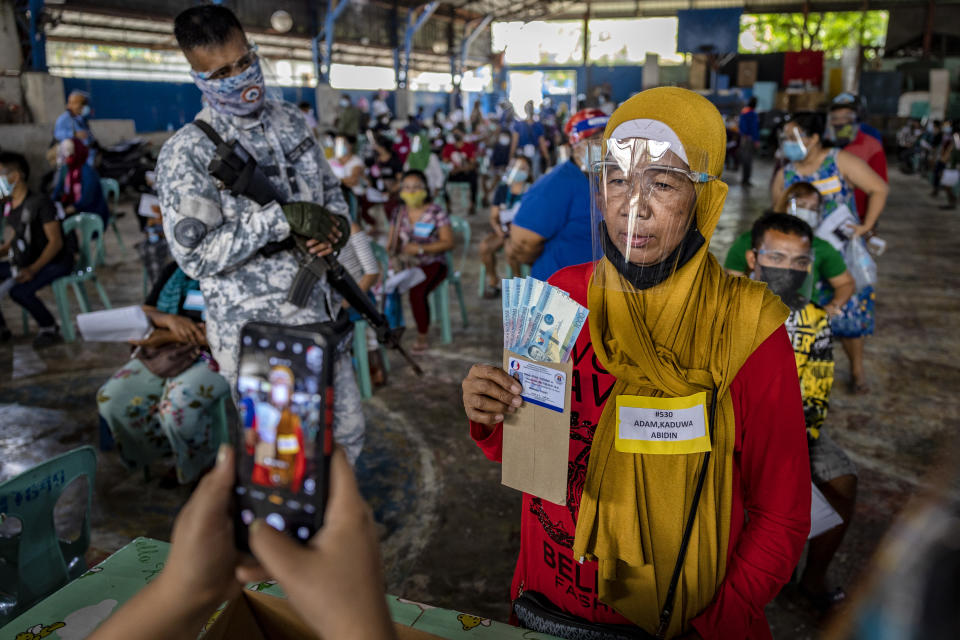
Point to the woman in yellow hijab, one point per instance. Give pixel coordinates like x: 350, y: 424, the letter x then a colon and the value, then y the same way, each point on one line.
x: 688, y: 498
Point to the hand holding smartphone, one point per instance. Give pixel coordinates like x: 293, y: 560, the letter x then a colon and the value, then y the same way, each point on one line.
x: 284, y: 437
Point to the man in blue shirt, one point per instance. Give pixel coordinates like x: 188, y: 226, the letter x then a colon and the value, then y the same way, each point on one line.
x: 552, y: 227
x: 528, y: 139
x: 72, y: 123
x: 749, y: 134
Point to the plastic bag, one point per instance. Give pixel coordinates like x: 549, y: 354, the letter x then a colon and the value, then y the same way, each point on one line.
x: 860, y: 263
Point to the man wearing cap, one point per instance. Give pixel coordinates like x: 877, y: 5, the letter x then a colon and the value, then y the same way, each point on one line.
x: 73, y: 123
x: 847, y: 132
x: 552, y: 227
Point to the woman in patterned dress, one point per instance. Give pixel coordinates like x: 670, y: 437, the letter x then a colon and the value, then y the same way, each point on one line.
x: 835, y: 174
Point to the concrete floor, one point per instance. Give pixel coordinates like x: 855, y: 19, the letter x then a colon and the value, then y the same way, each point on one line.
x: 451, y: 530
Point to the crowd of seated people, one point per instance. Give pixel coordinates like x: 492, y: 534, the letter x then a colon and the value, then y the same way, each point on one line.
x: 399, y: 179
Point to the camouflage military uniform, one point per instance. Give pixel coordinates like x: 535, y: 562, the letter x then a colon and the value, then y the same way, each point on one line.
x: 215, y: 237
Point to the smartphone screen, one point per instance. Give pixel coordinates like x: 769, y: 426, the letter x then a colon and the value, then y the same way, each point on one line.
x: 284, y: 436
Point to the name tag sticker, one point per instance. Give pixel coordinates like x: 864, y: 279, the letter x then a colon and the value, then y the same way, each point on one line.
x: 423, y: 229
x: 662, y: 425
x: 542, y: 386
x: 829, y: 185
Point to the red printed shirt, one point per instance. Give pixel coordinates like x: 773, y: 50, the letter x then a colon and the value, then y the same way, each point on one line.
x: 771, y: 485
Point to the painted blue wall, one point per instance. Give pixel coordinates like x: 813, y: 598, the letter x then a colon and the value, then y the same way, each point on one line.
x: 155, y: 106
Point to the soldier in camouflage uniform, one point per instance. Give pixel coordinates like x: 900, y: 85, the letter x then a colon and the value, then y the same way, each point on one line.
x: 215, y: 236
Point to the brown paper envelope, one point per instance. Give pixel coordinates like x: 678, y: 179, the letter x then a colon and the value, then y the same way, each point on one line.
x: 536, y: 443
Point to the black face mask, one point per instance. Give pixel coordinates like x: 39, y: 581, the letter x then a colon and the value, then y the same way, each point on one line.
x: 644, y: 277
x: 784, y: 283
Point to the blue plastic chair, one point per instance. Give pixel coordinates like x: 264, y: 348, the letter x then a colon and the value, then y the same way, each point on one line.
x: 91, y: 253
x: 439, y: 298
x: 111, y: 191
x: 35, y: 562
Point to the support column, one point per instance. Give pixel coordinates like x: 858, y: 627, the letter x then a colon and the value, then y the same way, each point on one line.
x: 586, y: 53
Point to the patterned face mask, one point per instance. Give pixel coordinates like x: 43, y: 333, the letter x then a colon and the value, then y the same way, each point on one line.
x: 239, y: 95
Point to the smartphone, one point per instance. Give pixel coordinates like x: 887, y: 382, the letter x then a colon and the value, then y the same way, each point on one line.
x: 284, y: 437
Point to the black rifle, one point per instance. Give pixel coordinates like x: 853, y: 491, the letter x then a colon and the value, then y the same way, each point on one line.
x: 237, y: 169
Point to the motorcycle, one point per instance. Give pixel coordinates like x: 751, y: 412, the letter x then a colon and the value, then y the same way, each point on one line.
x: 128, y: 163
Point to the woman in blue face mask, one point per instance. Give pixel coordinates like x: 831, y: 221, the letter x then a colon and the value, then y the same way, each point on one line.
x: 835, y: 174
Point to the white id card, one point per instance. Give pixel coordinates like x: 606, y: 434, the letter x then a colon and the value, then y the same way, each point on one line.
x: 542, y: 386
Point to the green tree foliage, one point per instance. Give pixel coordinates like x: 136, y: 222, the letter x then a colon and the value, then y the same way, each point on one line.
x: 830, y: 32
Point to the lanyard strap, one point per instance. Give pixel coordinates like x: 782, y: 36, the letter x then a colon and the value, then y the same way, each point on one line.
x: 667, y: 611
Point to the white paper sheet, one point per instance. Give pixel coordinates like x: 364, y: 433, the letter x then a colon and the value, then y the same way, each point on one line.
x: 113, y: 325
x: 146, y: 207
x: 822, y: 516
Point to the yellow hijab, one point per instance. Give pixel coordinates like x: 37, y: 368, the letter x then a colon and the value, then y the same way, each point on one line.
x: 690, y: 333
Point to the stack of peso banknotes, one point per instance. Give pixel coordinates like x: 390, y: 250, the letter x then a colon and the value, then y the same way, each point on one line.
x: 540, y: 321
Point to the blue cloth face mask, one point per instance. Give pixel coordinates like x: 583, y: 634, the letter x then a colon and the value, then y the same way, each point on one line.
x: 85, y: 111
x: 793, y: 151
x: 6, y: 187
x: 239, y: 95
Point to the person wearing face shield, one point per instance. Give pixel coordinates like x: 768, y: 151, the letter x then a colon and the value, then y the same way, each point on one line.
x: 836, y: 173
x: 846, y: 131
x: 77, y: 185
x: 830, y: 283
x: 74, y: 123
x: 220, y: 237
x: 552, y: 227
x: 781, y: 257
x: 506, y: 202
x: 670, y: 335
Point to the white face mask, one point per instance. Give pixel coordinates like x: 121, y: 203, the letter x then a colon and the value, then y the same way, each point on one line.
x: 810, y: 216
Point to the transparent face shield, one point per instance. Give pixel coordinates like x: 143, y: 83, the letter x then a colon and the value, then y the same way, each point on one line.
x: 803, y: 210
x: 643, y: 202
x: 792, y: 146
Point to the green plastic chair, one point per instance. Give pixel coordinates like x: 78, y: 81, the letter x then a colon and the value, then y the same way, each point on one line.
x: 439, y: 298
x: 111, y: 191
x: 87, y: 225
x: 524, y: 273
x: 35, y: 563
x: 361, y: 362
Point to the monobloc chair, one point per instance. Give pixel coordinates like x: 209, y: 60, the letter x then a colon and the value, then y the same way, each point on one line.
x: 90, y: 255
x: 361, y: 362
x: 35, y: 562
x: 482, y: 286
x: 111, y: 191
x: 439, y: 298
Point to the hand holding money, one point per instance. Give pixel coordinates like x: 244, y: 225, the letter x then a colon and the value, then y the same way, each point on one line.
x: 540, y: 321
x: 489, y: 393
